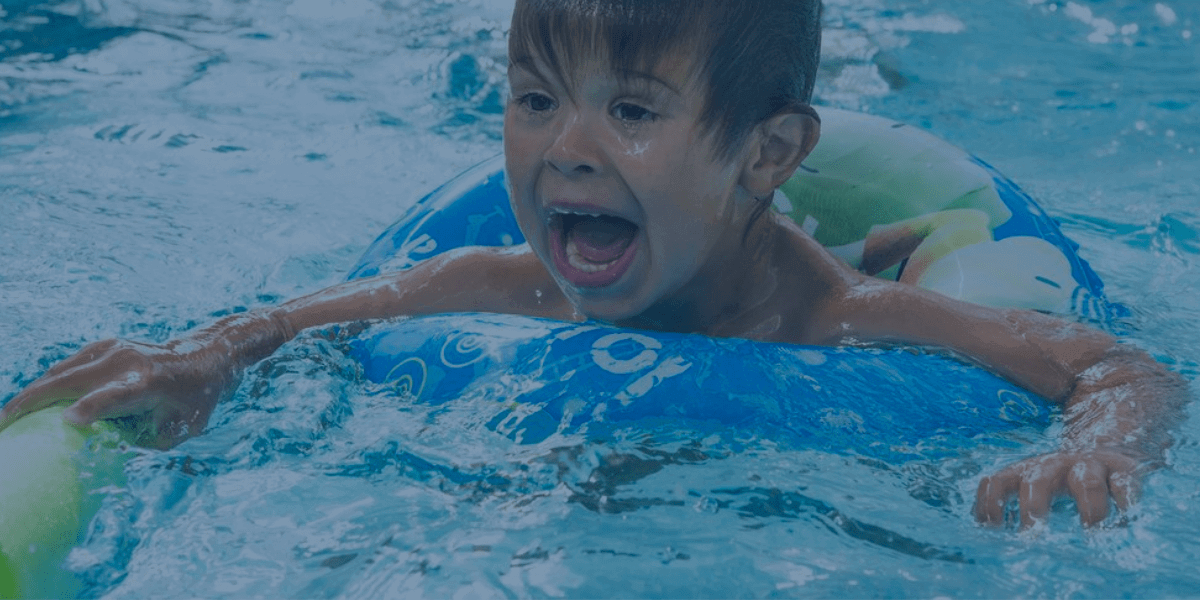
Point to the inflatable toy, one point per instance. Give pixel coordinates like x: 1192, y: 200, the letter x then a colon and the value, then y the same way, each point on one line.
x: 536, y: 380
x: 981, y: 239
x: 44, y: 496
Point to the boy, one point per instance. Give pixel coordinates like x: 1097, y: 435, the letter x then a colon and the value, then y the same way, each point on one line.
x: 643, y: 142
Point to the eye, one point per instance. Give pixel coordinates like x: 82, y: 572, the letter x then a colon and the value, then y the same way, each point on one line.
x: 632, y: 113
x: 536, y: 102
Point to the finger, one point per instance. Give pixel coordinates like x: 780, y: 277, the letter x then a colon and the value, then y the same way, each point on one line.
x: 87, y: 354
x: 110, y: 401
x: 1087, y: 481
x: 992, y: 495
x: 50, y: 390
x: 1037, y: 488
x: 1124, y: 487
x: 37, y: 396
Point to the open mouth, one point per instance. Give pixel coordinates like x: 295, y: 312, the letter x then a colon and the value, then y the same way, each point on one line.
x: 592, y: 250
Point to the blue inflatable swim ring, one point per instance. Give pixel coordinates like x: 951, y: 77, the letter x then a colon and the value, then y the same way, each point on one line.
x: 543, y: 379
x: 535, y: 380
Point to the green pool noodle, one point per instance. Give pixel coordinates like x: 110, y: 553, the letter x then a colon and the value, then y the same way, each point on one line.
x: 867, y: 170
x: 44, y: 498
x: 8, y: 579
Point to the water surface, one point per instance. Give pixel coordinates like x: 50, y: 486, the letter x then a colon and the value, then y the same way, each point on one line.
x: 165, y: 161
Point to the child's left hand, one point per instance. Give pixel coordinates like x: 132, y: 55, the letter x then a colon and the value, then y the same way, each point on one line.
x: 1090, y: 477
x: 1116, y: 424
x: 1119, y: 405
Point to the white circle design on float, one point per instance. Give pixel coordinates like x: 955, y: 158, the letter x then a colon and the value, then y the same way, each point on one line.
x: 642, y: 360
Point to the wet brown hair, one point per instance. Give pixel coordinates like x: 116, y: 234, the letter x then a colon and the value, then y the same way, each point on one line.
x: 757, y: 58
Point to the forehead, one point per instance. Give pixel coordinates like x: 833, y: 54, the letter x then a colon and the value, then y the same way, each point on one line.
x: 674, y: 72
x: 662, y: 38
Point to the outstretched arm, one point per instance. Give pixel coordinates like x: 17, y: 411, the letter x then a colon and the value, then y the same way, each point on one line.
x: 173, y: 388
x: 1119, y: 403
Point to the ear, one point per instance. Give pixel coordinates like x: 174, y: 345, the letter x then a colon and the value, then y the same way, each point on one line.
x: 778, y: 146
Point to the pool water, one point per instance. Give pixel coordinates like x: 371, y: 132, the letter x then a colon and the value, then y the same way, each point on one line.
x: 165, y: 161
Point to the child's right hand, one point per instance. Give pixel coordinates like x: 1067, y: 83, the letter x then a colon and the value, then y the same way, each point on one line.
x: 171, y: 389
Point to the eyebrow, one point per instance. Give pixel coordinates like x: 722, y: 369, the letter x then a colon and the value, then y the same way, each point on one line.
x: 631, y: 74
x: 524, y: 62
x: 527, y: 64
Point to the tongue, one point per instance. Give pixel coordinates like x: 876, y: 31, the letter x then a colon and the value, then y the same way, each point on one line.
x: 602, y: 239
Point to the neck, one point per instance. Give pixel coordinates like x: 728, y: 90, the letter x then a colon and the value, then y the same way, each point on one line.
x: 725, y: 295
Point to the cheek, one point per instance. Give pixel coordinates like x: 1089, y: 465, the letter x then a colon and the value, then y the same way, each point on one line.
x: 519, y: 166
x: 514, y: 145
x: 520, y: 195
x: 509, y: 130
x: 519, y: 135
x: 521, y: 201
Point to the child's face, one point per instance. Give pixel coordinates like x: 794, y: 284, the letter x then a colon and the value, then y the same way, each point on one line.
x: 616, y: 185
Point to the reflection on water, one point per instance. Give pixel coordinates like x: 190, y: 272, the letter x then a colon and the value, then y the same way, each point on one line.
x: 163, y: 161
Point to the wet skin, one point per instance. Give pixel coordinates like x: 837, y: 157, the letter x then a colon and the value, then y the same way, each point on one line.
x: 631, y: 146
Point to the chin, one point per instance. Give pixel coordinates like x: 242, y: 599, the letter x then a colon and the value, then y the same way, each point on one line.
x: 610, y: 310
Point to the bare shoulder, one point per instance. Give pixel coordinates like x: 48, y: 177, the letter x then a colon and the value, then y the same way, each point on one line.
x: 812, y: 286
x: 828, y: 302
x: 823, y: 301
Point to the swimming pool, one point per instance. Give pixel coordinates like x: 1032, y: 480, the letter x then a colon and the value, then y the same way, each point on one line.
x: 176, y: 159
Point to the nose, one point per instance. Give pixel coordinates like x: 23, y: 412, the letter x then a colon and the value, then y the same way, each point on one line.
x: 574, y: 151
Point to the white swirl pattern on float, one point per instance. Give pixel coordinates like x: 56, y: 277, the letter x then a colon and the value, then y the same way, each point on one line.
x: 462, y: 349
x: 408, y: 377
x: 1016, y: 407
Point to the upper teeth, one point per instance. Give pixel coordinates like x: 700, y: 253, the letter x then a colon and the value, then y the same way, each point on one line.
x: 582, y: 213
